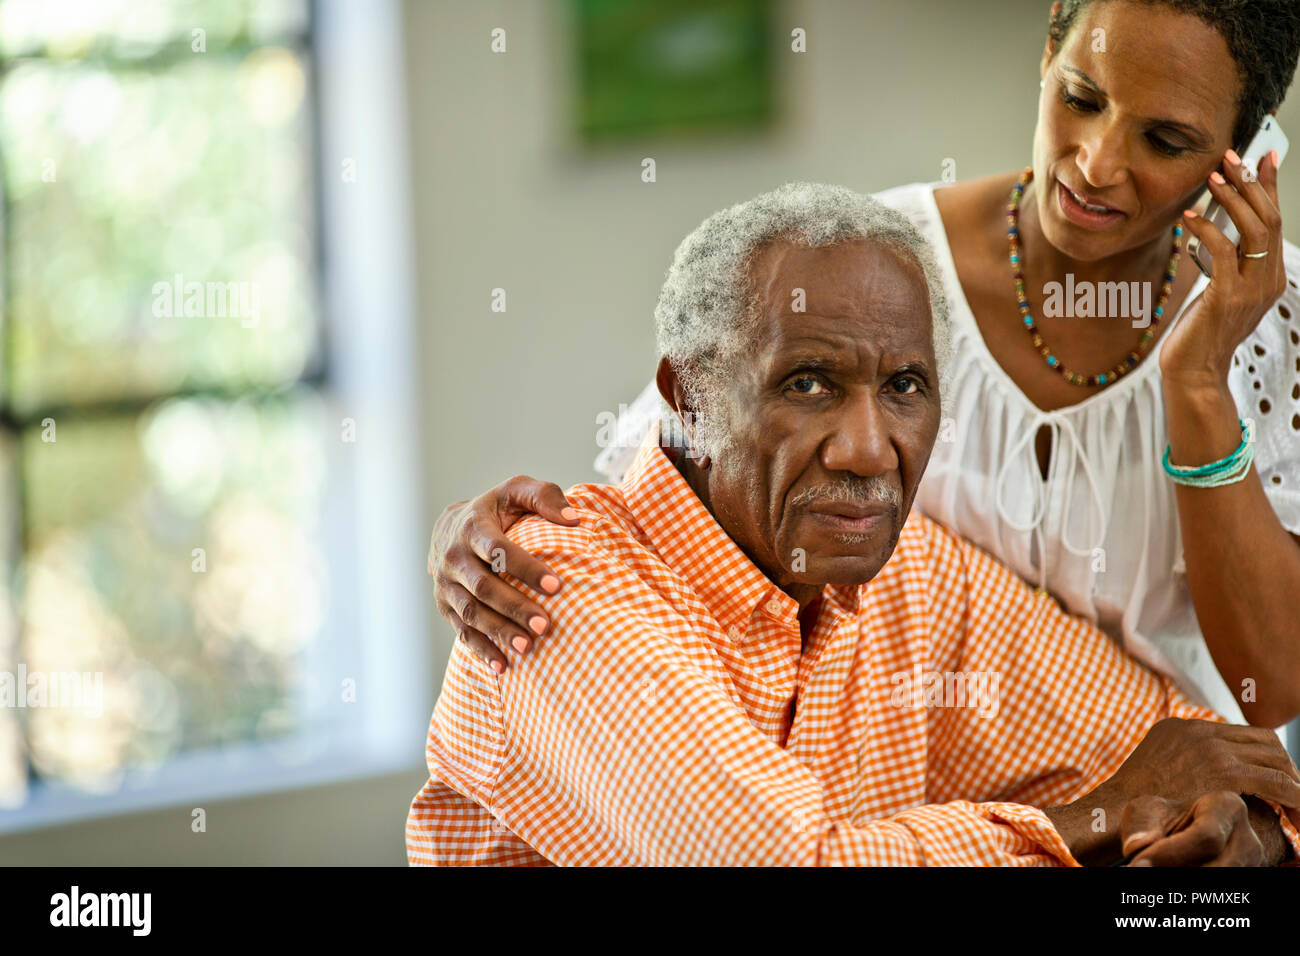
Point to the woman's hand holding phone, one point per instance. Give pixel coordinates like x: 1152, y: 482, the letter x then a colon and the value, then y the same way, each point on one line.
x: 1268, y: 139
x: 1248, y: 278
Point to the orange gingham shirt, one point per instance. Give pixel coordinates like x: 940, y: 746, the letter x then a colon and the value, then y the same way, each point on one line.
x: 671, y: 717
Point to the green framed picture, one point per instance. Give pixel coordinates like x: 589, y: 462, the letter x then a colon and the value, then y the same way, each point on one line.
x: 668, y: 66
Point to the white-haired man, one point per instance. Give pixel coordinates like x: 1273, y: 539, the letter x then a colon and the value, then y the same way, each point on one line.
x: 759, y: 657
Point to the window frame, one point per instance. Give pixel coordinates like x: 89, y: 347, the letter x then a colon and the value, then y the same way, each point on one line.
x: 378, y: 621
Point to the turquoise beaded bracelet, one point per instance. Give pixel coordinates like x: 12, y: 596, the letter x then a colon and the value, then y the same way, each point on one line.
x: 1225, y: 471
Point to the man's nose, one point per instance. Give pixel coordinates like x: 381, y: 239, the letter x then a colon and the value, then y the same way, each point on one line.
x: 860, y: 441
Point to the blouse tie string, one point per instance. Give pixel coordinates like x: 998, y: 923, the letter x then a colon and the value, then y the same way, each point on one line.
x: 1067, y: 456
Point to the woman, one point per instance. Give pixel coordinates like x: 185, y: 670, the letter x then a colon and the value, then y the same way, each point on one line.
x: 1055, y: 459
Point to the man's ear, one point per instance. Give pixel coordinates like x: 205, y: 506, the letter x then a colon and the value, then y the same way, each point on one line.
x: 670, y: 389
x: 1049, y: 47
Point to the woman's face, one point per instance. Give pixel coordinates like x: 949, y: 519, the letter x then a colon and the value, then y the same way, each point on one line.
x: 1137, y: 109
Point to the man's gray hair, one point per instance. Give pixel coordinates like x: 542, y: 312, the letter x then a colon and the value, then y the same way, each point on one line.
x: 707, y: 311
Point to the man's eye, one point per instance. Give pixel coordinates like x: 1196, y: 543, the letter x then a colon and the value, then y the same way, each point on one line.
x: 807, y: 385
x: 906, y: 385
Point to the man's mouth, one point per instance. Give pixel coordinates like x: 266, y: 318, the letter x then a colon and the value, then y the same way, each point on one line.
x: 849, y: 516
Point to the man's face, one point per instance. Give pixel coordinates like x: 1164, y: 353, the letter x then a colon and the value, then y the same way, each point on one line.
x: 832, y: 414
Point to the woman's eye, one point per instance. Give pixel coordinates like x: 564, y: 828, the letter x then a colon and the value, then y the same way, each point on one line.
x: 1166, y: 147
x: 1162, y: 146
x: 807, y: 385
x: 1074, y: 102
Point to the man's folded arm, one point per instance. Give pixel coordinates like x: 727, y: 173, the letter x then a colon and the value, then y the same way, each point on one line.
x: 1075, y: 704
x: 624, y: 746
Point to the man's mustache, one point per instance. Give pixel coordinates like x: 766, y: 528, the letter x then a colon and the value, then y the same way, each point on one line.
x: 874, y: 490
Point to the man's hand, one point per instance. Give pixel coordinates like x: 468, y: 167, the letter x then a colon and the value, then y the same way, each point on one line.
x: 1218, y: 829
x: 1179, y: 761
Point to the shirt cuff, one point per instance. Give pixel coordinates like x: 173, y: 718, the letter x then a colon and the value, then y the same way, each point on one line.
x: 1034, y: 825
x: 1289, y: 830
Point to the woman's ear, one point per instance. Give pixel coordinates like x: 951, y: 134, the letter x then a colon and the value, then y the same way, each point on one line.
x: 1049, y: 48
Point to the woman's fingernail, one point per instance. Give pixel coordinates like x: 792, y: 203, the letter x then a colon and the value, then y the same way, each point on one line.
x: 569, y: 514
x: 1233, y: 157
x: 1189, y: 213
x: 550, y: 583
x: 1217, y: 179
x: 498, y: 667
x: 520, y: 643
x: 1140, y: 863
x: 537, y: 623
x: 1273, y: 156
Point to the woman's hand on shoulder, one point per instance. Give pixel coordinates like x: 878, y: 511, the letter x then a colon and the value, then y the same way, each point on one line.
x: 469, y: 549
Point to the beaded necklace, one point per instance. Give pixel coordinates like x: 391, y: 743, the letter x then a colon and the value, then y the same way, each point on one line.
x: 1130, y: 361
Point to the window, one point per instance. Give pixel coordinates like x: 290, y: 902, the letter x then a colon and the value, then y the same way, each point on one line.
x: 184, y: 446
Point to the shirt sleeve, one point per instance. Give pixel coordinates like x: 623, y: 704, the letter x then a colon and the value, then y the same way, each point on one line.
x: 1265, y: 381
x: 1071, y: 706
x: 614, y: 741
x: 449, y: 823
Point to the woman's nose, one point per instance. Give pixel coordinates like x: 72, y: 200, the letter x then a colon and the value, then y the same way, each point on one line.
x: 1100, y: 159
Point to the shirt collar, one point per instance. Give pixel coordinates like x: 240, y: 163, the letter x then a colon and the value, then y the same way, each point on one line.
x: 694, y: 545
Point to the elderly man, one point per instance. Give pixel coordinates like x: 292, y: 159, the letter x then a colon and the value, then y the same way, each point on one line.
x: 759, y: 657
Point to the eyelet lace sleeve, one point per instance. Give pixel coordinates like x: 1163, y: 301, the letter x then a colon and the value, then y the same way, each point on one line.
x: 1265, y: 379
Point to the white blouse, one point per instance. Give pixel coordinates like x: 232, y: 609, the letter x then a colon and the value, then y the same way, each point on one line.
x: 1101, y: 532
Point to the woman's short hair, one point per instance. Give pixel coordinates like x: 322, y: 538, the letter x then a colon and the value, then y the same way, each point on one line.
x: 1263, y: 37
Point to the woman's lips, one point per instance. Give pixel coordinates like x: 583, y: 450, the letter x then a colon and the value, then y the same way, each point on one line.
x: 1082, y: 216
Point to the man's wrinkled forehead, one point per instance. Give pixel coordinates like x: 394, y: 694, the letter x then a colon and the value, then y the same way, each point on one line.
x: 858, y: 289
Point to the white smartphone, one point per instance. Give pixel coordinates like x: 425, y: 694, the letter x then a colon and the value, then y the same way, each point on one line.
x: 1270, y: 137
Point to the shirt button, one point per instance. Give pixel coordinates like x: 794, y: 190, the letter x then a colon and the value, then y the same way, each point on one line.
x: 774, y: 607
x: 734, y: 632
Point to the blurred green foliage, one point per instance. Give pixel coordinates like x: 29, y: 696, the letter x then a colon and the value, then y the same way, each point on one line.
x: 171, y: 468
